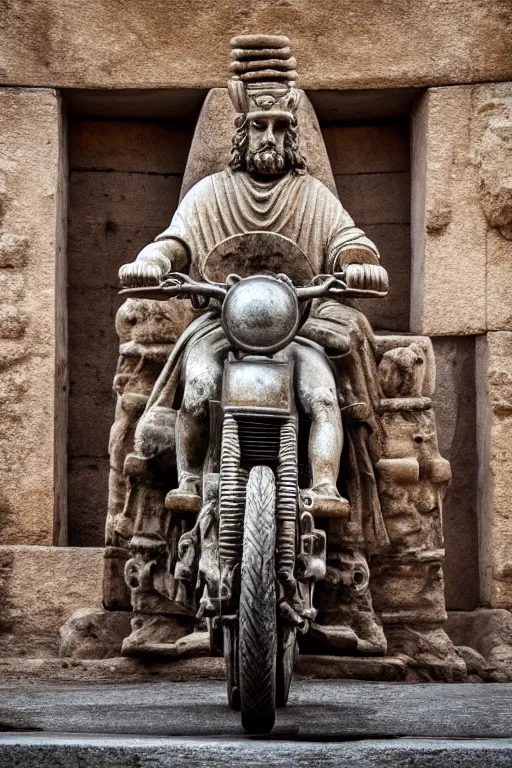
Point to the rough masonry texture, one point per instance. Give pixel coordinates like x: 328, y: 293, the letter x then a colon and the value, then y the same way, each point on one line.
x: 494, y: 382
x: 461, y: 210
x: 32, y: 315
x: 182, y: 45
x: 41, y: 587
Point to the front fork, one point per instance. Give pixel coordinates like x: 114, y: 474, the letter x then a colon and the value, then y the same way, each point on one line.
x: 300, y: 554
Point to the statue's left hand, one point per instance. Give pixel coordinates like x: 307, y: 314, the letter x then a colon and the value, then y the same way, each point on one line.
x: 366, y: 277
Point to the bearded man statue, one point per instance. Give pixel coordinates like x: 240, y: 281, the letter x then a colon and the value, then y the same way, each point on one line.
x: 266, y: 188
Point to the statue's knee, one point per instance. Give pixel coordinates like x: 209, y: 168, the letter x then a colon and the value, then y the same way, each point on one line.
x: 323, y: 403
x: 137, y: 467
x: 155, y: 436
x: 199, y: 391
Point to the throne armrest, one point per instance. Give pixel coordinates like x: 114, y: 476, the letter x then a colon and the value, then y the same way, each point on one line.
x: 406, y: 365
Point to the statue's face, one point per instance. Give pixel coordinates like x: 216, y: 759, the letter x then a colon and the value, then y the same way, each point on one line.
x: 265, y: 151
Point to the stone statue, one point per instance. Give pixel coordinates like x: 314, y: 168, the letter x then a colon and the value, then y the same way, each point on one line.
x: 271, y: 263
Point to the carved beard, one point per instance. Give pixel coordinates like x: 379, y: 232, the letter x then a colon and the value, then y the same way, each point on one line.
x: 266, y: 161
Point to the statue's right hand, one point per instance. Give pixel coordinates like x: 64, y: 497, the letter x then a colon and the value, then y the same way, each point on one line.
x: 140, y: 274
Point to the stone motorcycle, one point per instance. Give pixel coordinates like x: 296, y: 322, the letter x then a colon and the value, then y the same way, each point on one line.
x: 254, y: 553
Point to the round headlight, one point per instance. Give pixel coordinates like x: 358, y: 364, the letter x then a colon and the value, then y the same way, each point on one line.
x: 260, y: 314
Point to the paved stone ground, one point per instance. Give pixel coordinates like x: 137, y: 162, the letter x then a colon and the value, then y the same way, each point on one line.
x: 327, y: 723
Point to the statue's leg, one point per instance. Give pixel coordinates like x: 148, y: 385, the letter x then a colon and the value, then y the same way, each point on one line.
x: 202, y: 383
x: 315, y: 389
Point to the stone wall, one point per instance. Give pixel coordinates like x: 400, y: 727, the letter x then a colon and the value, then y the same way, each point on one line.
x: 455, y: 408
x: 462, y: 279
x: 125, y: 179
x: 33, y: 384
x: 183, y: 44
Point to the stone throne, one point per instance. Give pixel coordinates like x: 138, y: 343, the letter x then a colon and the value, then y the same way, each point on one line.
x: 377, y: 602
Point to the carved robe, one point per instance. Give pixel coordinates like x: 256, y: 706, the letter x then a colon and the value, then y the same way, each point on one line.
x: 301, y: 208
x: 297, y: 206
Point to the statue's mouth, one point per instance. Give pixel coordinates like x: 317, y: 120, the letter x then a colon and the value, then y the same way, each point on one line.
x: 267, y: 161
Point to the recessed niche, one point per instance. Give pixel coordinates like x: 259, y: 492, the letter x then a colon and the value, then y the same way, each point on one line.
x: 127, y: 154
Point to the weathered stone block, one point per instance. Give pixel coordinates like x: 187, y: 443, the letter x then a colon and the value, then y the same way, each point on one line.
x: 492, y: 129
x: 394, y: 244
x: 375, y: 198
x: 489, y: 632
x: 94, y: 634
x: 33, y: 380
x: 499, y: 280
x: 448, y: 226
x: 92, y: 360
x: 184, y: 44
x: 462, y: 210
x: 408, y: 592
x: 88, y: 493
x: 494, y: 421
x: 41, y: 587
x: 84, y: 440
x: 492, y: 123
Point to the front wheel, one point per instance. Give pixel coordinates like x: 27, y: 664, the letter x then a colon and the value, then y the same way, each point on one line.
x: 258, y: 625
x: 286, y: 653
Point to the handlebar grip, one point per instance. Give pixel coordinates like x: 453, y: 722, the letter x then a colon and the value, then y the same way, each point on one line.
x: 147, y: 292
x: 359, y: 293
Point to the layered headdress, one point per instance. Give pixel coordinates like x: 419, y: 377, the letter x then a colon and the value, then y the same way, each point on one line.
x: 264, y: 76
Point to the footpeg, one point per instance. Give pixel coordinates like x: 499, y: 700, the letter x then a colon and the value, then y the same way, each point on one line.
x: 180, y: 501
x: 324, y: 506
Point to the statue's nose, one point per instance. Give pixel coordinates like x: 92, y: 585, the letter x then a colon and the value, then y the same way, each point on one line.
x: 269, y: 136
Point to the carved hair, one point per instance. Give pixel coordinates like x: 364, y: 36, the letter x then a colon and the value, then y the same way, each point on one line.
x: 295, y: 160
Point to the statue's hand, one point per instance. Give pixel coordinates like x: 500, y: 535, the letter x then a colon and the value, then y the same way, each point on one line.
x: 140, y: 274
x: 150, y: 268
x: 366, y: 277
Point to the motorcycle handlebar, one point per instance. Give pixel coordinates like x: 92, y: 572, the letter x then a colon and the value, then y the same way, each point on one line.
x: 176, y: 285
x: 183, y: 286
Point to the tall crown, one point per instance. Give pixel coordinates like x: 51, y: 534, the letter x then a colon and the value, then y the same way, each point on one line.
x: 264, y: 76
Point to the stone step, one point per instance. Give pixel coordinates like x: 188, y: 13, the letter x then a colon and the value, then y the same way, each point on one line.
x: 50, y: 750
x: 121, y: 669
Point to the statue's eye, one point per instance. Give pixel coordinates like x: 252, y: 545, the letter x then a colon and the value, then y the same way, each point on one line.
x: 258, y: 125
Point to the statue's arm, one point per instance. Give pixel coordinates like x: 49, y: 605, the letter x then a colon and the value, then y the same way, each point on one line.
x: 154, y: 262
x: 352, y: 252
